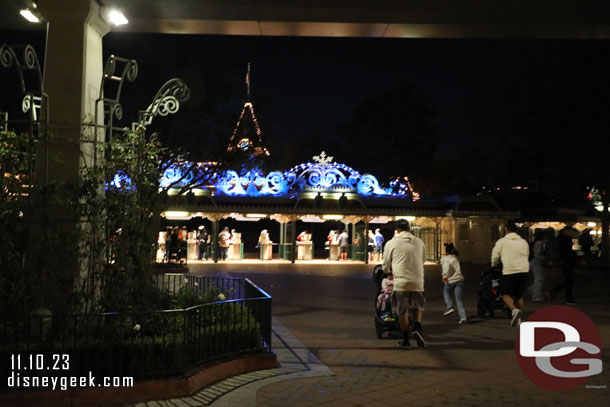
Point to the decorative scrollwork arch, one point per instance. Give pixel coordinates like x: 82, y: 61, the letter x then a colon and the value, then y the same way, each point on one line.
x: 166, y: 101
x: 30, y: 77
x: 304, y: 177
x: 110, y: 96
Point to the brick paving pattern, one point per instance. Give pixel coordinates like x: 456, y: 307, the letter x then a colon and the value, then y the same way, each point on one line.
x: 296, y: 361
x: 329, y: 310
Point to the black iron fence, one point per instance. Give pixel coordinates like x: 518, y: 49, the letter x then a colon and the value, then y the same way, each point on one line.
x: 145, y: 345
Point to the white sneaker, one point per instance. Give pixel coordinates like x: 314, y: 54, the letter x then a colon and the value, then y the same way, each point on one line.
x: 515, y: 320
x: 449, y: 311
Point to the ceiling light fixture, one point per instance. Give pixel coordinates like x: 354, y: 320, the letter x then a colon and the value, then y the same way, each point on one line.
x: 408, y: 218
x: 176, y: 215
x: 116, y: 17
x: 28, y: 15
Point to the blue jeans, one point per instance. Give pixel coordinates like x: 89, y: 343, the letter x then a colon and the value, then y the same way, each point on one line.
x: 537, y: 287
x: 455, y: 288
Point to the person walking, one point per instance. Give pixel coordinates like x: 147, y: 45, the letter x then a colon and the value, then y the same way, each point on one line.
x: 328, y: 243
x: 378, y: 250
x: 370, y: 244
x: 551, y: 246
x: 538, y: 258
x: 586, y: 243
x: 203, y: 239
x: 453, y: 279
x: 343, y: 244
x: 224, y: 239
x: 567, y: 262
x: 173, y: 246
x: 513, y: 251
x: 403, y: 257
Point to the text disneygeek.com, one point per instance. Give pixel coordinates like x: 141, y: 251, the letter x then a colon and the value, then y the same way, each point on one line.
x: 18, y: 380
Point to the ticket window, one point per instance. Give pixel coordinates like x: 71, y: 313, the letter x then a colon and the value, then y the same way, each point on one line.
x: 305, y: 248
x: 235, y: 250
x: 192, y: 247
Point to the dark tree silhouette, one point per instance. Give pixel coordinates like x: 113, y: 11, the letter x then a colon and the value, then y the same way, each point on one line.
x: 548, y: 126
x: 391, y: 134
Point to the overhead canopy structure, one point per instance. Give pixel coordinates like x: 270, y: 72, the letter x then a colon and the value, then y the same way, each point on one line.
x: 348, y: 18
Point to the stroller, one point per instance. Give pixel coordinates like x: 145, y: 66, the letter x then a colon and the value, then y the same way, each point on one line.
x: 177, y: 254
x: 384, y: 319
x: 489, y: 294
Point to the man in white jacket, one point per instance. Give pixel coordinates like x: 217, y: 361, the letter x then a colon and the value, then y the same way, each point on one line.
x: 513, y: 251
x: 403, y: 257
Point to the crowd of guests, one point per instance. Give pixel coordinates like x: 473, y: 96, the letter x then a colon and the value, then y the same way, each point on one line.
x: 403, y: 264
x: 175, y: 243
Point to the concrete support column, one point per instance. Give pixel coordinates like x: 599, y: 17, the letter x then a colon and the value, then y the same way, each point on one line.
x: 280, y: 247
x: 73, y: 69
x: 73, y: 72
x: 438, y: 250
x: 293, y: 240
x: 352, y: 232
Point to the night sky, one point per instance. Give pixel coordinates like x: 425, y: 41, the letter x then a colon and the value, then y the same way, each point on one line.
x: 312, y: 85
x: 305, y: 89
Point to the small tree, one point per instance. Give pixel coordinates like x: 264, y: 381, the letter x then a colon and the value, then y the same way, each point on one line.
x: 36, y: 256
x: 123, y: 216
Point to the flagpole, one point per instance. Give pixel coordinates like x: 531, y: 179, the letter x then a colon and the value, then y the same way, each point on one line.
x: 248, y: 81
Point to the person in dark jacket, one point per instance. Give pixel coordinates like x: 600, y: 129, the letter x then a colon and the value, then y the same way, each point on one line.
x: 203, y: 239
x: 586, y: 243
x: 567, y: 262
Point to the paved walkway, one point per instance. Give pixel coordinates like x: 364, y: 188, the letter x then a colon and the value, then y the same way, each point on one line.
x: 325, y: 339
x: 296, y: 362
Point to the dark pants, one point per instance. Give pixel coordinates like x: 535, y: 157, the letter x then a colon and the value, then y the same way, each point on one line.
x: 224, y: 251
x: 203, y: 252
x: 568, y: 281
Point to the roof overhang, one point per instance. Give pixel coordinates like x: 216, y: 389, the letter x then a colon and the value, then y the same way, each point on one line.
x: 346, y: 18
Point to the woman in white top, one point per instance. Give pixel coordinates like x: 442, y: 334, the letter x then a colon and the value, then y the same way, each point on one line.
x: 454, y: 282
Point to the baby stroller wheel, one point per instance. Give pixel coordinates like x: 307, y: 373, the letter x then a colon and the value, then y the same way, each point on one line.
x: 378, y: 328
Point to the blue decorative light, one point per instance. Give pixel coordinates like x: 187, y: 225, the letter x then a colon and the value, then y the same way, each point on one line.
x: 179, y: 174
x: 323, y: 175
x: 171, y: 175
x: 121, y: 181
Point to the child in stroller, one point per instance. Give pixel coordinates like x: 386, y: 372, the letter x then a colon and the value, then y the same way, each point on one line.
x: 384, y: 297
x: 385, y: 320
x: 490, y: 298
